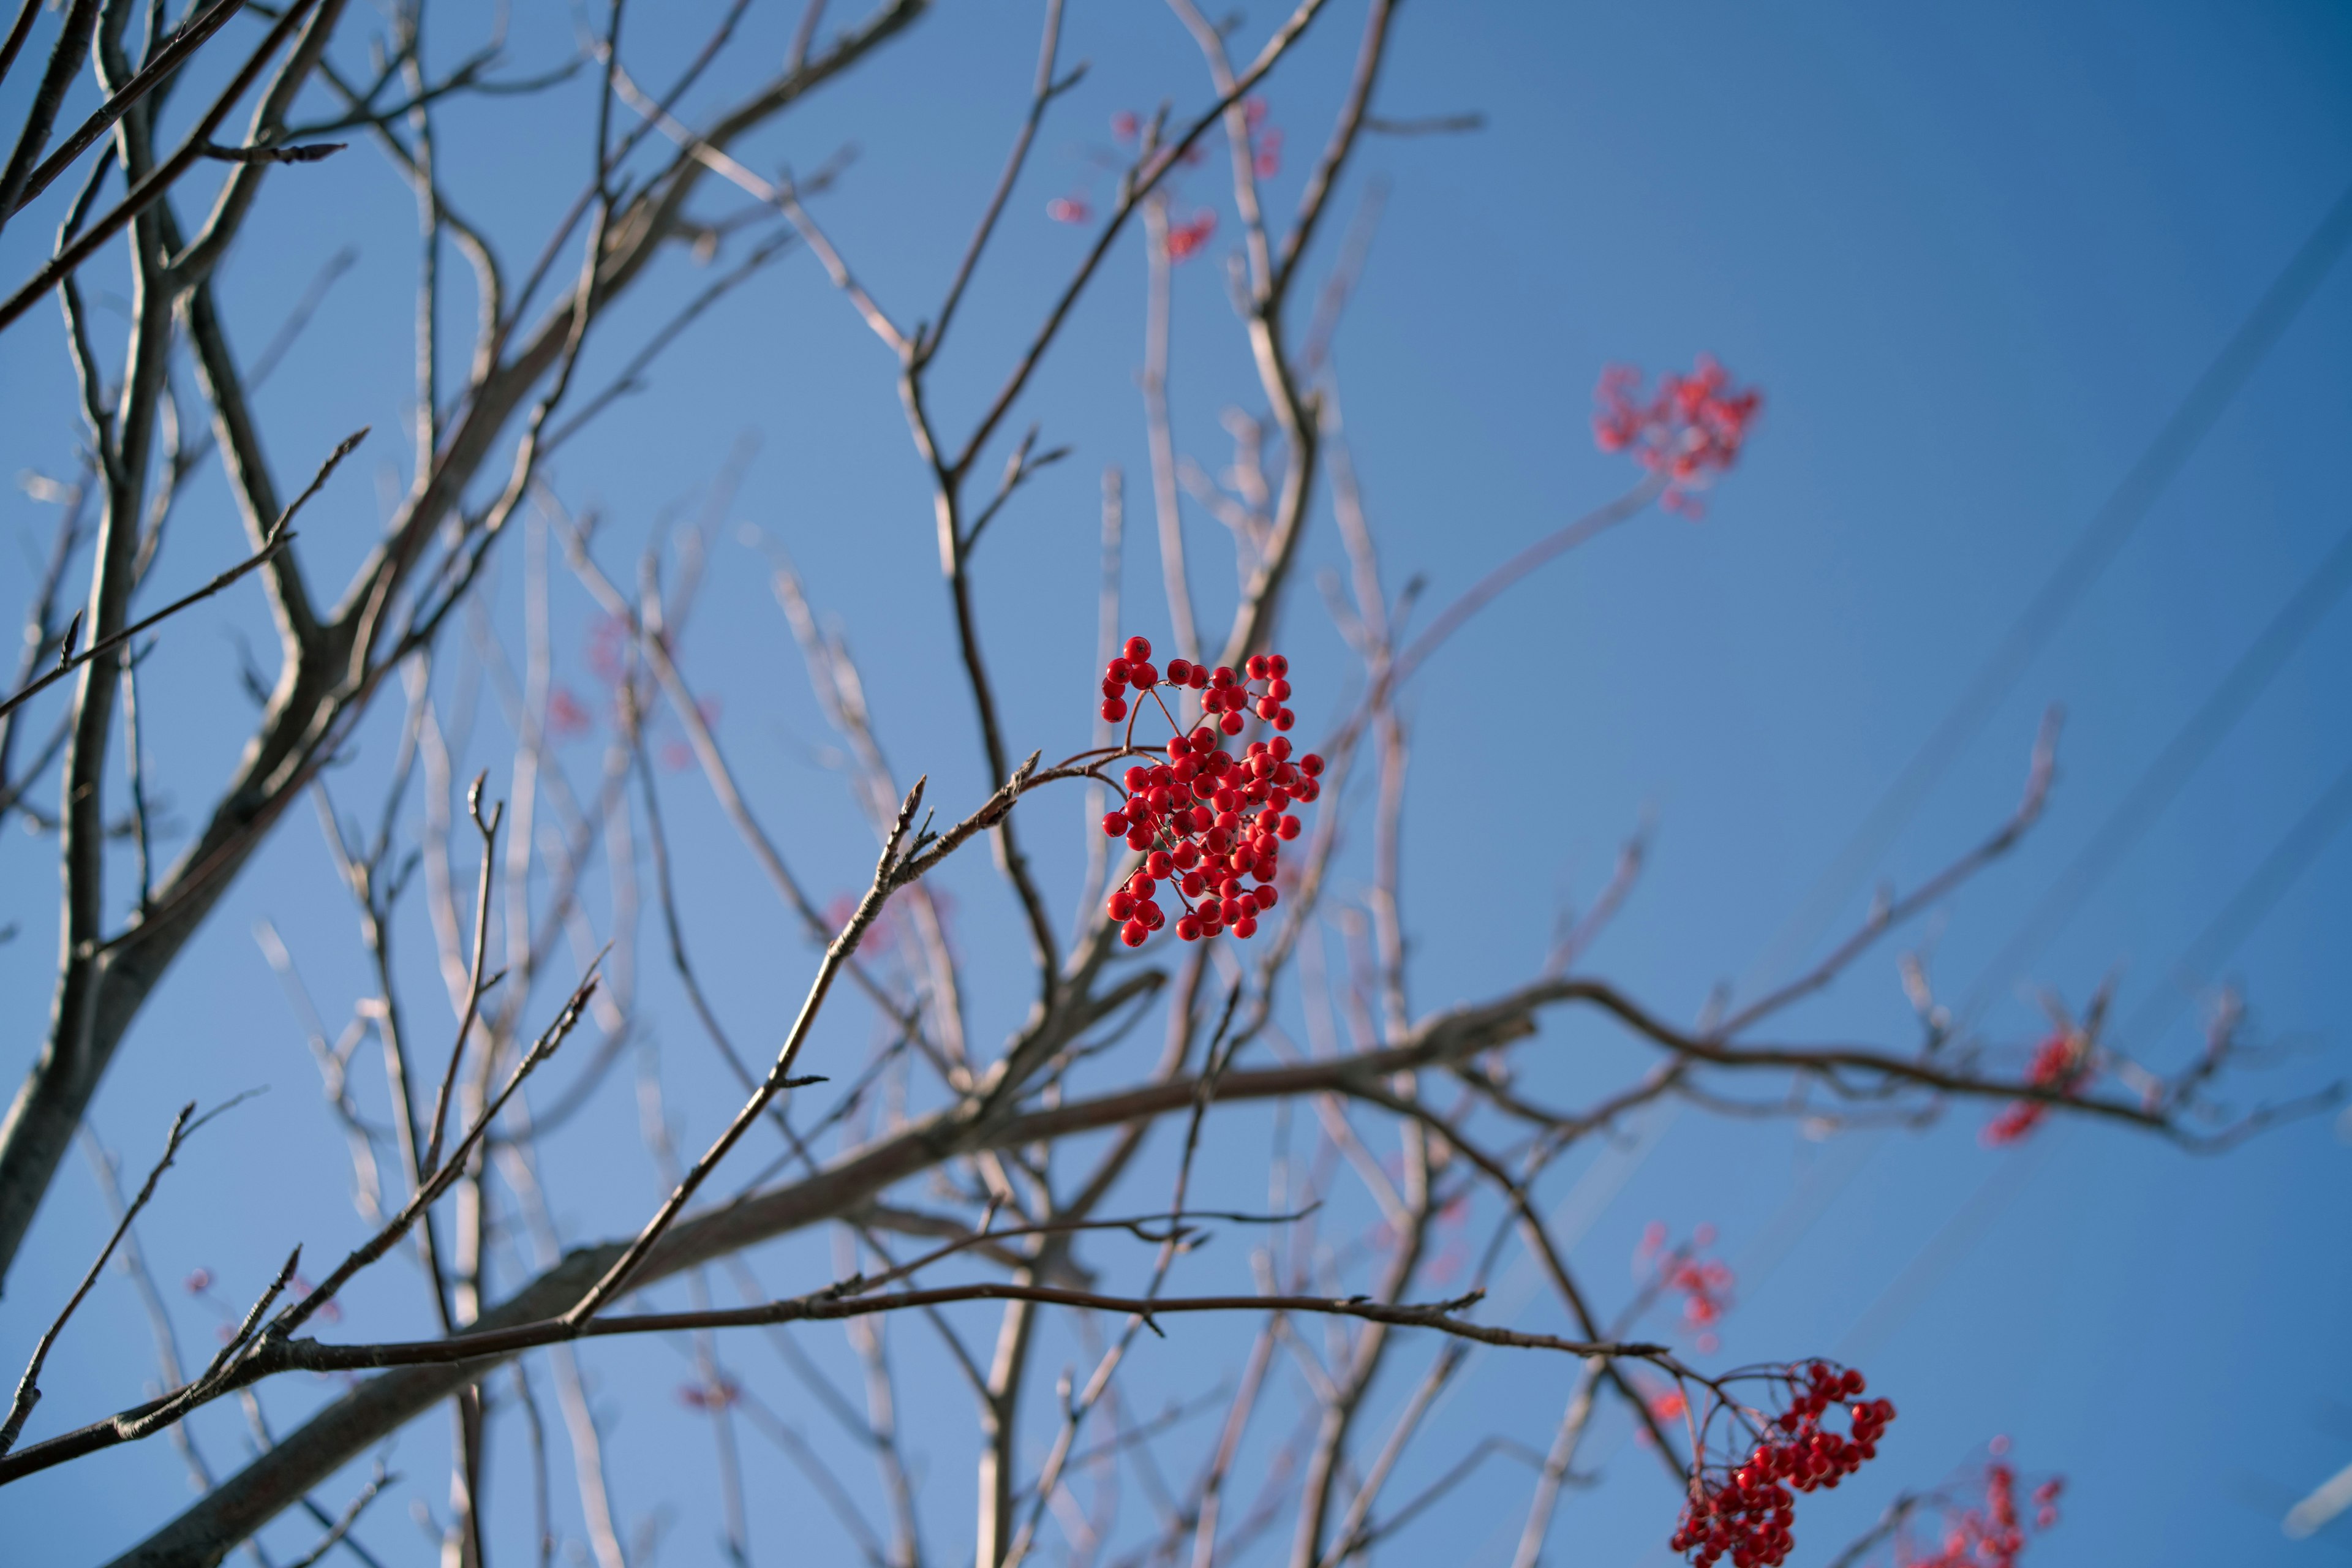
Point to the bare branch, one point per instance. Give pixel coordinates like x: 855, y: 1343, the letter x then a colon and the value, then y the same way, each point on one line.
x: 28, y: 1387
x: 150, y: 188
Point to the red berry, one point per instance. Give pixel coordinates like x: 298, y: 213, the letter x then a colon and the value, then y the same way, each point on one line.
x: 1179, y: 672
x: 1285, y: 720
x: 1133, y: 932
x: 1256, y: 667
x: 1245, y: 927
x: 1113, y: 709
x: 1142, y: 676
x: 1115, y: 825
x: 1187, y: 928
x: 1231, y: 725
x: 1138, y: 649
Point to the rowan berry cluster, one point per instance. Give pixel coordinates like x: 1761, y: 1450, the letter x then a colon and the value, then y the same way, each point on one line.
x: 1187, y: 239
x: 1264, y: 139
x: 1690, y: 431
x: 1744, y: 1511
x: 1990, y: 1535
x: 1704, y: 1284
x: 1209, y: 825
x: 2060, y: 1062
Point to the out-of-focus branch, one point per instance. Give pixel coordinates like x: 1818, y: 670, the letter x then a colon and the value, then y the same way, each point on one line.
x: 1890, y: 912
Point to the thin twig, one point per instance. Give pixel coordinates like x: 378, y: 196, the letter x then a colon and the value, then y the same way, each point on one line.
x: 28, y: 1387
x: 279, y: 538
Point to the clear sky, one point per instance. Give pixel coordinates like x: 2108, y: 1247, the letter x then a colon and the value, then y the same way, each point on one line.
x: 1975, y: 258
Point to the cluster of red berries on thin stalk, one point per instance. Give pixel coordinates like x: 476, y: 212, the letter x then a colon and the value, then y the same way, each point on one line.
x: 1742, y: 1511
x: 1209, y: 825
x: 1992, y: 1535
x: 2060, y: 1063
x: 1687, y: 431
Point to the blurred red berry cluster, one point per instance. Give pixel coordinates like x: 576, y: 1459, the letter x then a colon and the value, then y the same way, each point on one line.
x: 1186, y: 239
x: 1264, y: 139
x: 1209, y: 825
x: 1990, y: 1533
x: 568, y: 718
x: 2061, y: 1062
x: 1745, y: 1512
x: 1688, y: 431
x: 1704, y: 1283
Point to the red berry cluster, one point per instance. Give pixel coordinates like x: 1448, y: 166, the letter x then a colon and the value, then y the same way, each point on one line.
x: 2060, y: 1063
x: 1744, y: 1511
x: 1209, y: 824
x: 1690, y: 431
x: 1264, y: 139
x: 1188, y: 240
x: 1992, y: 1535
x: 1704, y: 1283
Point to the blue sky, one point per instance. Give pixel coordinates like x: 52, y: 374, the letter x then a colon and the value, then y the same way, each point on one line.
x: 1975, y: 259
